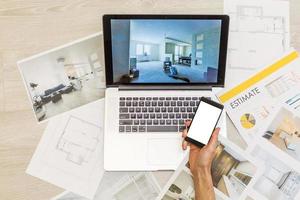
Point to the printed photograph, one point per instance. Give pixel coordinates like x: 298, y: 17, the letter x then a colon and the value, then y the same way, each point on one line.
x: 279, y: 181
x: 125, y: 186
x: 64, y: 78
x: 283, y: 131
x: 147, y: 51
x: 232, y: 172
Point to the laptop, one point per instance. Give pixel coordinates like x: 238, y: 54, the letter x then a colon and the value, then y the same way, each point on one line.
x: 157, y: 69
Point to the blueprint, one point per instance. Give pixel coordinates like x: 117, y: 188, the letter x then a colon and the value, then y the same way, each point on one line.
x: 79, y: 140
x: 256, y: 27
x: 259, y: 32
x: 69, y: 153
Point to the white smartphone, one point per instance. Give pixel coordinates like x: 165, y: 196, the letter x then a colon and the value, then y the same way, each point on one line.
x: 204, y: 122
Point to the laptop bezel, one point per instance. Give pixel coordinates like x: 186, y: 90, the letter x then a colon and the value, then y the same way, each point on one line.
x: 108, y: 47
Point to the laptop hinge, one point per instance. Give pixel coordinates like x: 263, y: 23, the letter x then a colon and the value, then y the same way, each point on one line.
x: 164, y: 87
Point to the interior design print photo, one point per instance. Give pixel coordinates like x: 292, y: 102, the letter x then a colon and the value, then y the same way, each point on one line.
x: 282, y: 132
x: 279, y: 180
x: 233, y: 172
x: 64, y: 78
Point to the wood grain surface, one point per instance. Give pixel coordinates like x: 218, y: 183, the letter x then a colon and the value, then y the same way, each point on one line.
x: 31, y: 26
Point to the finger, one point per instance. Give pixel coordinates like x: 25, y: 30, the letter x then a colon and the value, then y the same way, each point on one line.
x: 184, y: 144
x: 213, y: 142
x: 184, y: 133
x: 187, y: 123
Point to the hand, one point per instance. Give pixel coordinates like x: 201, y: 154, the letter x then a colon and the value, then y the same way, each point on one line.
x: 200, y: 159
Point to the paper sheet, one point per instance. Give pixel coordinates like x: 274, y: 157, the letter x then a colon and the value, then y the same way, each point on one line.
x: 70, y: 153
x: 279, y: 180
x: 64, y: 78
x: 251, y: 102
x: 126, y: 186
x: 259, y: 32
x: 257, y: 27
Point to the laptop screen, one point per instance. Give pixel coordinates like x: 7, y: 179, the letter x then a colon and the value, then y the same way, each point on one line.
x: 165, y: 51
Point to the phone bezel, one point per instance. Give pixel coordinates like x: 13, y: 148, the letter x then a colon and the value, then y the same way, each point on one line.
x: 213, y: 103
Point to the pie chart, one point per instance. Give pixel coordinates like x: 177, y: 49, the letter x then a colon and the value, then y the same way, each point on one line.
x: 247, y: 121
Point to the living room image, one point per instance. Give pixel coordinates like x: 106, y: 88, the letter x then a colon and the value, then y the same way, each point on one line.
x: 183, y: 187
x: 65, y: 78
x: 231, y: 171
x: 279, y: 181
x: 122, y: 186
x: 284, y: 132
x: 160, y: 52
x: 128, y: 186
x: 231, y: 174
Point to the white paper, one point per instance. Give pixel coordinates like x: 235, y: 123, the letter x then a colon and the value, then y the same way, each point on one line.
x: 259, y: 31
x: 250, y: 103
x: 279, y: 180
x: 126, y: 186
x: 70, y: 153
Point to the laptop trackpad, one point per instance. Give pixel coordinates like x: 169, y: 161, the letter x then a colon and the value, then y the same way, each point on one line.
x: 164, y: 151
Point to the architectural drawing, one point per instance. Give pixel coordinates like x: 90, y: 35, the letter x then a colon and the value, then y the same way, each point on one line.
x: 256, y: 27
x: 79, y: 140
x: 69, y: 153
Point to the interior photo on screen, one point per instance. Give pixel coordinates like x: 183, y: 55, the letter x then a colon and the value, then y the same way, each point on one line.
x: 165, y: 51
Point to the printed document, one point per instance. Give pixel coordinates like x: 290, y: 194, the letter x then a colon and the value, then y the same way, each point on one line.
x: 259, y: 32
x: 251, y: 102
x: 70, y: 153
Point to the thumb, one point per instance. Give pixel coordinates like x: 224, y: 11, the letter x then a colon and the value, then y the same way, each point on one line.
x: 213, y: 142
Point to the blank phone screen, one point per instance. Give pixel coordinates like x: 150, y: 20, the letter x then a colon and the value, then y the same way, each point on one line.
x: 204, y: 122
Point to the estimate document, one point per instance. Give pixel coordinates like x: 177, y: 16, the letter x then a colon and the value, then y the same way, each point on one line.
x: 250, y: 103
x: 70, y: 153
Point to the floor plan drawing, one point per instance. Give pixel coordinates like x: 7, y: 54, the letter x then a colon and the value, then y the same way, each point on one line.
x: 256, y: 27
x: 79, y: 140
x: 69, y: 153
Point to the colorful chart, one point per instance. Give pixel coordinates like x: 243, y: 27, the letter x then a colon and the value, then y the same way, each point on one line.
x: 247, y: 121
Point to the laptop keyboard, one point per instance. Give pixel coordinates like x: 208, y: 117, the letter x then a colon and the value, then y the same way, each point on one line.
x: 155, y: 114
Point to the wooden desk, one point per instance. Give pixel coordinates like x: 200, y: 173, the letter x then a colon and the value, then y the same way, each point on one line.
x: 29, y: 27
